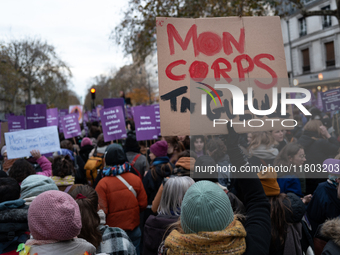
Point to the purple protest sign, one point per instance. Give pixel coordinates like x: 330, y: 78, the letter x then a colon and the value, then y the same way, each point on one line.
x: 158, y: 118
x: 16, y: 123
x: 331, y: 100
x: 129, y: 112
x: 113, y: 102
x: 36, y: 116
x: 98, y: 109
x: 113, y: 123
x: 71, y: 127
x: 93, y: 115
x: 319, y: 101
x: 145, y: 122
x: 8, y: 114
x: 52, y: 117
x: 85, y: 118
x: 62, y: 113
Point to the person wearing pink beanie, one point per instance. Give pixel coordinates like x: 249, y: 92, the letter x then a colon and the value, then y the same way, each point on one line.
x: 54, y: 221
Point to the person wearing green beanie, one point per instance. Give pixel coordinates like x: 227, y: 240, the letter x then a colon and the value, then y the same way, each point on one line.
x: 208, y: 225
x: 205, y: 207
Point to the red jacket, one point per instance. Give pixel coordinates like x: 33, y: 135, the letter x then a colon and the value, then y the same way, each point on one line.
x: 120, y: 205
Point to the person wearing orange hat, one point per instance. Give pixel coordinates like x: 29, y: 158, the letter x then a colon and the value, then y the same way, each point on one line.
x: 286, y: 214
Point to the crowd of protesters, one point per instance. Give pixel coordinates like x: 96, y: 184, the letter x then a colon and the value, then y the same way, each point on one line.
x: 146, y: 197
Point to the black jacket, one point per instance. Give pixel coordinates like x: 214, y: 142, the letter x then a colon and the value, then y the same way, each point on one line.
x: 85, y: 151
x: 317, y: 149
x: 257, y: 223
x: 13, y: 228
x: 156, y: 229
x: 151, y: 185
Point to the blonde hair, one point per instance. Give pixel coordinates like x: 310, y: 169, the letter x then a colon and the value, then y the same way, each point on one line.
x: 313, y: 126
x: 259, y: 138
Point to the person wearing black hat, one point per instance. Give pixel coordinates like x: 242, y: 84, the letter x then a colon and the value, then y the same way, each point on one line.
x: 121, y: 194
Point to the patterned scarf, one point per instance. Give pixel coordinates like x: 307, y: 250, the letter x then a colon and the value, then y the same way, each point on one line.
x: 228, y: 241
x: 116, y: 170
x: 332, y: 180
x: 160, y: 160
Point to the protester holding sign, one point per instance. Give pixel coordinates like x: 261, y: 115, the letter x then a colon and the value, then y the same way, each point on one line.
x: 22, y: 168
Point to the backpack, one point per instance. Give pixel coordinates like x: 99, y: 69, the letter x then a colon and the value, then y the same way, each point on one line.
x: 134, y: 170
x: 92, y: 165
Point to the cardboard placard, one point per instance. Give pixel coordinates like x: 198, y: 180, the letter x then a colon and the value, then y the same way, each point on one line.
x: 145, y: 122
x: 113, y: 123
x: 71, y: 127
x: 16, y: 123
x: 52, y: 117
x: 35, y: 116
x: 196, y: 54
x: 20, y: 143
x: 78, y: 109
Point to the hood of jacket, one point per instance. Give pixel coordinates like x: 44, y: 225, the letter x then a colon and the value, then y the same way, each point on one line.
x: 331, y: 229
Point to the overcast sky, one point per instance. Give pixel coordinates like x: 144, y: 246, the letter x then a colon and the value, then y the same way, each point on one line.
x: 79, y: 30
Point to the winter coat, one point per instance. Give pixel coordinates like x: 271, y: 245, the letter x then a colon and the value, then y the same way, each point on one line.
x: 85, y: 151
x: 141, y: 163
x: 155, y: 231
x: 324, y: 205
x: 45, y: 165
x: 77, y: 246
x: 151, y: 185
x: 121, y: 207
x: 331, y: 230
x: 317, y: 150
x: 290, y: 184
x: 13, y: 225
x: 294, y: 211
x: 115, y: 242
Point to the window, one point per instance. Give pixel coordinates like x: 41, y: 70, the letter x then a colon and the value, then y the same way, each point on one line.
x: 303, y: 26
x: 326, y: 20
x: 330, y: 56
x: 305, y: 60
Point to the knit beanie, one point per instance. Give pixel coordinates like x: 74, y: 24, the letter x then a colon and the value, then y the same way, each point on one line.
x: 114, y: 155
x: 160, y: 148
x: 54, y: 215
x: 3, y: 150
x: 205, y: 207
x: 332, y: 166
x: 269, y: 182
x: 34, y: 185
x: 85, y: 141
x: 131, y: 143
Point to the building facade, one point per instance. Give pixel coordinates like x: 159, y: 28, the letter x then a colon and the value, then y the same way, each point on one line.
x: 312, y: 47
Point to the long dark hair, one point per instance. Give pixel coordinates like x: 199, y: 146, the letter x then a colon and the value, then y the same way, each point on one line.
x: 89, y: 217
x: 164, y: 168
x: 278, y: 217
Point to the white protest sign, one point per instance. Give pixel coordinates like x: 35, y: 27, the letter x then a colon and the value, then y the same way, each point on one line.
x: 20, y: 143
